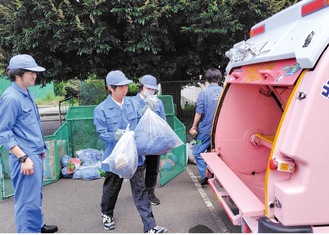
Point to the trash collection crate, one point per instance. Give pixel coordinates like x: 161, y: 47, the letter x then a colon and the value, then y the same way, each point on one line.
x: 78, y: 132
x: 169, y: 107
x: 6, y: 185
x: 56, y: 147
x: 174, y: 162
x: 81, y: 129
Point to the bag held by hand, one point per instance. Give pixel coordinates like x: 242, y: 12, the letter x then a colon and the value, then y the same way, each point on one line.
x: 154, y: 136
x: 123, y: 160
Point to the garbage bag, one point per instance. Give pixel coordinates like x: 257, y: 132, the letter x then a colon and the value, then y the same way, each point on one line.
x: 65, y: 160
x: 89, y: 154
x: 95, y: 164
x: 124, y: 158
x: 86, y: 173
x: 166, y: 164
x: 73, y: 165
x: 154, y: 136
x: 65, y: 174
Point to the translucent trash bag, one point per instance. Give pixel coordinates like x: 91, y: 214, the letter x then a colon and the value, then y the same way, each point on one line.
x: 123, y: 160
x: 154, y: 136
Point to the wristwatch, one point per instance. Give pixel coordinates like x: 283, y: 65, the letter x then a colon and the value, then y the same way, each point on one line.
x: 22, y: 159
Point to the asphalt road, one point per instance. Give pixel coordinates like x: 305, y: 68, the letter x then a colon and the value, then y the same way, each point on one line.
x: 74, y: 206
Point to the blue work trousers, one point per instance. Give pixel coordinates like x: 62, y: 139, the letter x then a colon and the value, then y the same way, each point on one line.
x: 201, y: 145
x: 28, y: 213
x: 111, y: 188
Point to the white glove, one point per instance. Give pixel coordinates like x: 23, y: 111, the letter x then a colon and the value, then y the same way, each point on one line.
x: 149, y: 103
x: 118, y: 133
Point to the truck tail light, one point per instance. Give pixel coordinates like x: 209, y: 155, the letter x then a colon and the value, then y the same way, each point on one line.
x: 313, y: 6
x: 258, y: 30
x: 282, y: 165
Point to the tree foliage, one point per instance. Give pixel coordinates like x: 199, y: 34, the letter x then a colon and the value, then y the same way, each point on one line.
x: 171, y: 39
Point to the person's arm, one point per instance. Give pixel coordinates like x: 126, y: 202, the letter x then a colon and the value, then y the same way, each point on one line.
x: 194, y: 129
x: 198, y: 114
x: 27, y: 167
x: 8, y: 107
x: 102, y: 127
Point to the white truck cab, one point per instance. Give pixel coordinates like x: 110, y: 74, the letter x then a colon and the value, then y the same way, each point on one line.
x: 269, y: 158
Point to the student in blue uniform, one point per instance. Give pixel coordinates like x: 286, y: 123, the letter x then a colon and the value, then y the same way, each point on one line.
x: 21, y: 134
x: 111, y: 118
x: 145, y: 98
x: 204, y: 114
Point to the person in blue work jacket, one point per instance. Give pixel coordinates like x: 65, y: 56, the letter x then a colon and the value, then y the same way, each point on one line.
x: 21, y: 134
x: 204, y: 114
x: 111, y: 118
x: 145, y: 98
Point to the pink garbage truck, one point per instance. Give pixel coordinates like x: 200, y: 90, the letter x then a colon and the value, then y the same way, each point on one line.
x: 269, y: 163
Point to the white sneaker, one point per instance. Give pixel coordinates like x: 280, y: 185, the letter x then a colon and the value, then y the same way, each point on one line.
x: 157, y: 229
x: 108, y: 222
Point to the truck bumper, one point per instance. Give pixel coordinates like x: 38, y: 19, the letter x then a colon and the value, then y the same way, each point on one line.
x: 265, y: 225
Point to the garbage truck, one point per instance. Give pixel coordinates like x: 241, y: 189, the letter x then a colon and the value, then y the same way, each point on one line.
x: 268, y: 160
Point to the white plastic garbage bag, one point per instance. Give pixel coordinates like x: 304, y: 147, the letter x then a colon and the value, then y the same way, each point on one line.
x: 123, y: 160
x: 154, y: 136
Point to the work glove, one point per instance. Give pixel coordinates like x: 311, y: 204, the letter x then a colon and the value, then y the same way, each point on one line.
x: 118, y: 133
x: 150, y: 103
x: 144, y: 109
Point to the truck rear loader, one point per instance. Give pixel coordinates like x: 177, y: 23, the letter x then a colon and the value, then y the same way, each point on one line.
x: 269, y: 158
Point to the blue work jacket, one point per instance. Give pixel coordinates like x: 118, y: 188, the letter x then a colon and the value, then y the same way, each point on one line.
x: 206, y: 105
x: 158, y: 108
x: 20, y: 122
x: 108, y: 117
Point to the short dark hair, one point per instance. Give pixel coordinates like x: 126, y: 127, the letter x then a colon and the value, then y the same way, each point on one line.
x: 213, y: 75
x: 140, y: 87
x: 15, y: 72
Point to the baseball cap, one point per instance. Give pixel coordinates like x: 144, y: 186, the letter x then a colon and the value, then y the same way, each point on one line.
x: 24, y: 61
x: 117, y: 78
x: 150, y: 82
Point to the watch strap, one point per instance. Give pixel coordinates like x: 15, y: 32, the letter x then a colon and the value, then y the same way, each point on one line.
x: 23, y: 158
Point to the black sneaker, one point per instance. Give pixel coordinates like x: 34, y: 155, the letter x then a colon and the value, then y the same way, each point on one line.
x: 157, y: 229
x: 49, y: 229
x: 108, y: 222
x: 204, y: 181
x: 153, y: 199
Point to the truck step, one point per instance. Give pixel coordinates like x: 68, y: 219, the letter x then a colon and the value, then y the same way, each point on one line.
x: 244, y: 199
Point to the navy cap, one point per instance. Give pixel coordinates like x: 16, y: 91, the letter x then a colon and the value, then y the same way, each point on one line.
x: 150, y: 82
x: 117, y: 78
x: 24, y: 61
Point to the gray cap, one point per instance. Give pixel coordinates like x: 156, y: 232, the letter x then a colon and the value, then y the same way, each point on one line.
x: 24, y: 61
x: 150, y: 82
x: 117, y: 78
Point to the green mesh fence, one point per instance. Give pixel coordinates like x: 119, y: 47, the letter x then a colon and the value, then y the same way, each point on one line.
x: 174, y: 162
x: 57, y: 148
x: 7, y: 188
x: 78, y: 132
x: 38, y: 91
x: 168, y: 104
x: 81, y: 129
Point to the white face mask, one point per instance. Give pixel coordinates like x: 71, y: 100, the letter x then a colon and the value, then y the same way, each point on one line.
x: 148, y: 92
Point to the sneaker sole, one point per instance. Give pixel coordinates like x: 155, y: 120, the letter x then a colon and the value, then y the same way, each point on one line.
x: 110, y: 228
x: 155, y: 203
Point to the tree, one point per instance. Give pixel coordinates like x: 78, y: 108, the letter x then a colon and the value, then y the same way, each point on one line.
x: 171, y: 39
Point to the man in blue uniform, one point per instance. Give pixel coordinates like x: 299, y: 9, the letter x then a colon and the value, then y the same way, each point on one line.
x: 111, y: 118
x: 204, y: 114
x: 21, y: 134
x: 146, y: 98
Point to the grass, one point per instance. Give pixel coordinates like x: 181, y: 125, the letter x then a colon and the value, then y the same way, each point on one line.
x: 49, y: 100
